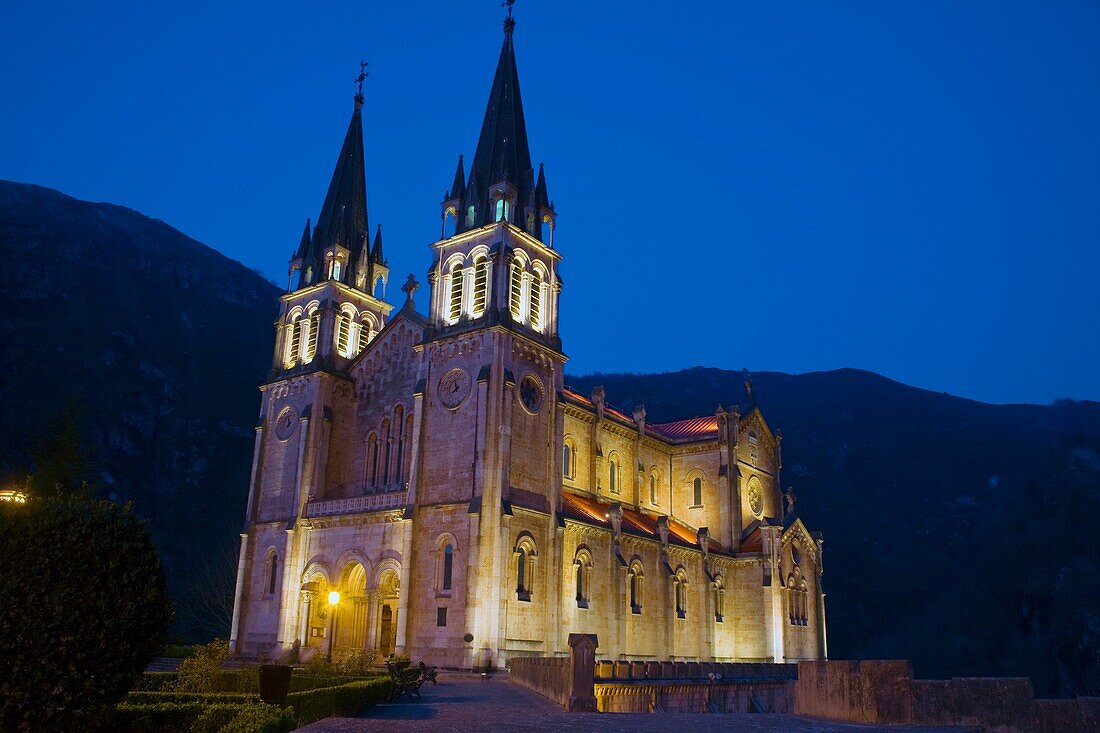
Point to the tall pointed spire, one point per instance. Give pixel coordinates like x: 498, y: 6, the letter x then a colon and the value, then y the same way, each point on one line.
x: 458, y: 185
x: 343, y: 218
x: 376, y: 250
x: 502, y: 154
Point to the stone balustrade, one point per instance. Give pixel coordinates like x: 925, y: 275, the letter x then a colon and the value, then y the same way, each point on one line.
x: 357, y: 504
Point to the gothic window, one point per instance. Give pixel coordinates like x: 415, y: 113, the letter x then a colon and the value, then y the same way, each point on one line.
x: 343, y: 332
x: 271, y: 572
x: 568, y: 459
x: 525, y: 567
x: 653, y: 488
x: 400, y: 467
x: 385, y: 448
x: 481, y: 285
x: 502, y: 209
x: 697, y: 492
x: 336, y: 270
x: 454, y: 306
x: 680, y: 593
x: 372, y: 458
x: 797, y: 599
x: 536, y: 301
x: 719, y: 599
x: 634, y: 587
x: 448, y: 566
x: 366, y: 333
x: 471, y: 213
x: 613, y: 474
x: 293, y: 340
x: 515, y: 291
x: 582, y: 577
x: 312, y: 324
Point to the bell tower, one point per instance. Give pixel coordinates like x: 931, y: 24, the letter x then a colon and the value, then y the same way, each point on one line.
x: 493, y: 366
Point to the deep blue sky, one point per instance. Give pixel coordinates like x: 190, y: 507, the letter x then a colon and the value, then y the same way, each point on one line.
x: 911, y: 188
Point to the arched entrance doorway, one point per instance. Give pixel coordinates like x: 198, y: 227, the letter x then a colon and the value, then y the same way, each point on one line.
x: 389, y: 589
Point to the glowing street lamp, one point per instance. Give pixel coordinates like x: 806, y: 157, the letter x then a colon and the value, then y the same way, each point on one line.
x: 13, y: 496
x: 333, y: 600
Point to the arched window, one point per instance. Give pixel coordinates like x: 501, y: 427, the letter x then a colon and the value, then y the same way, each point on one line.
x: 653, y: 489
x: 312, y: 325
x: 568, y: 459
x: 613, y: 475
x: 679, y: 586
x: 293, y: 340
x: 481, y: 285
x: 271, y: 572
x: 583, y: 577
x: 343, y: 332
x: 448, y: 565
x: 515, y: 291
x: 336, y: 270
x: 397, y: 422
x: 372, y: 458
x: 536, y: 300
x: 502, y: 209
x: 384, y: 447
x: 634, y: 587
x: 719, y: 599
x: 366, y: 333
x: 697, y: 492
x: 454, y: 306
x: 525, y: 566
x: 471, y: 213
x: 797, y: 599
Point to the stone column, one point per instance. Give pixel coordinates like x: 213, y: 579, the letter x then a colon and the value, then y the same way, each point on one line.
x: 238, y: 596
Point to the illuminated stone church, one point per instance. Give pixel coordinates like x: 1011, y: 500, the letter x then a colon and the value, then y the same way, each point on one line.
x: 467, y: 505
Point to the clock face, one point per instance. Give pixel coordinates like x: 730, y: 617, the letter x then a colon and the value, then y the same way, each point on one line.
x: 453, y: 387
x: 286, y: 423
x: 530, y: 394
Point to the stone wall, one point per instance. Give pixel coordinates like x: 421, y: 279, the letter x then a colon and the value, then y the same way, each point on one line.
x: 876, y: 691
x: 548, y: 676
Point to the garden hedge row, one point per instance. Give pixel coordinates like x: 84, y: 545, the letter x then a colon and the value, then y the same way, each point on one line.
x: 241, y: 680
x: 196, y: 717
x: 345, y: 700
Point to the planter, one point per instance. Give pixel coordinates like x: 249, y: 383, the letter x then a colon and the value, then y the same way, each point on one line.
x: 274, y: 683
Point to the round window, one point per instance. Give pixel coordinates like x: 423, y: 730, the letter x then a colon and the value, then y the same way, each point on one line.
x: 530, y: 393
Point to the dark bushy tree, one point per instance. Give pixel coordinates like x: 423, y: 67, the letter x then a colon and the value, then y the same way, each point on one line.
x: 83, y: 610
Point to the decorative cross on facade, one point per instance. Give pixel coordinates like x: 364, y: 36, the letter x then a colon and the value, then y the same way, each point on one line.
x: 409, y: 288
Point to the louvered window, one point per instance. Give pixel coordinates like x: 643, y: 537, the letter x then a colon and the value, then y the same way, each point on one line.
x: 536, y: 301
x: 515, y: 296
x: 481, y: 285
x: 293, y: 343
x: 313, y: 324
x: 454, y: 309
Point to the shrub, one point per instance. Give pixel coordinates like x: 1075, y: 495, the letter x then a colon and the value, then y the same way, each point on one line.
x: 401, y: 661
x: 178, y: 651
x: 260, y: 718
x: 198, y: 672
x: 155, y: 682
x: 83, y: 610
x: 156, y: 718
x: 343, y: 700
x: 353, y: 662
x: 205, y: 698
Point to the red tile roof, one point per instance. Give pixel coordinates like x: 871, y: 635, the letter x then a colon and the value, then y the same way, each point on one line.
x: 592, y: 511
x: 696, y: 428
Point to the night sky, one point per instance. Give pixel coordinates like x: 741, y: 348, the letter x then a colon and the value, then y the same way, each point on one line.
x: 911, y: 188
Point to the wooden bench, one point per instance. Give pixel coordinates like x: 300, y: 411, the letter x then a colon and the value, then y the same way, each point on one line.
x: 405, y: 681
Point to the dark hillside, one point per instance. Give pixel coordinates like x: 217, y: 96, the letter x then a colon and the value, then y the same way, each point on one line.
x: 155, y: 342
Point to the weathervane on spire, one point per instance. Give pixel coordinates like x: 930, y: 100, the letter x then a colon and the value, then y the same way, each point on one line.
x: 509, y: 22
x: 359, y: 80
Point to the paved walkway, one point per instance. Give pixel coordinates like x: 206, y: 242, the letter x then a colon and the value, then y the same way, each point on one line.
x: 466, y: 703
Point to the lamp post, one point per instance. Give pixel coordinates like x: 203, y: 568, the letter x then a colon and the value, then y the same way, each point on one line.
x: 333, y: 599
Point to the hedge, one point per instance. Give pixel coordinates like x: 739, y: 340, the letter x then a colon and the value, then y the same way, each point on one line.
x: 244, y: 681
x: 342, y: 701
x: 182, y: 698
x: 167, y: 717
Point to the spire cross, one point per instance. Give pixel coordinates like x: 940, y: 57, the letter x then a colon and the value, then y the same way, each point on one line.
x: 363, y: 73
x: 509, y: 22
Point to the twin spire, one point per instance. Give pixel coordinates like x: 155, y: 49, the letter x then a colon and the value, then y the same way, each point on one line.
x: 501, y: 167
x: 502, y: 161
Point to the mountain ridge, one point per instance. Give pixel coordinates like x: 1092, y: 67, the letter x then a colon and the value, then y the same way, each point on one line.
x: 921, y: 495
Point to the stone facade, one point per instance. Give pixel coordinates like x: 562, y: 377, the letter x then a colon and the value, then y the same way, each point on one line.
x: 470, y: 508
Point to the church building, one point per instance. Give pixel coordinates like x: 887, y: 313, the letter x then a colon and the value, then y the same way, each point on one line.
x: 428, y: 484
